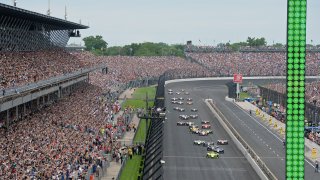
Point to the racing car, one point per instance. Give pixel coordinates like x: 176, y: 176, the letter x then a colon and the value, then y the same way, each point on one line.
x: 181, y: 123
x: 194, y: 130
x: 176, y: 108
x: 203, y: 133
x: 198, y: 142
x: 180, y: 102
x: 189, y: 102
x: 205, y: 122
x: 206, y: 144
x: 209, y: 131
x: 189, y: 123
x: 174, y: 99
x: 206, y: 126
x: 212, y: 155
x: 189, y: 99
x: 216, y: 149
x: 194, y: 116
x: 194, y: 110
x: 193, y: 126
x: 184, y: 117
x: 174, y: 102
x: 222, y: 142
x: 181, y: 109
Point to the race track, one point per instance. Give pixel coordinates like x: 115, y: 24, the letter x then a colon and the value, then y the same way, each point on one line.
x: 183, y: 160
x: 186, y: 161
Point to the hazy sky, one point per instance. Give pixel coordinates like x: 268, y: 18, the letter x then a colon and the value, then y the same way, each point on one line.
x: 176, y: 21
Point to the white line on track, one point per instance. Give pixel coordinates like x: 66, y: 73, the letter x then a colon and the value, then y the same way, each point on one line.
x: 224, y: 157
x: 263, y: 127
x: 253, y: 119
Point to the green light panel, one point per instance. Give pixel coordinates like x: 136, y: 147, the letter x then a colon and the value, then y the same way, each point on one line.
x: 296, y: 61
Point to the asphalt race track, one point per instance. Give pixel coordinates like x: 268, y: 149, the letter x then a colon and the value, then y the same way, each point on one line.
x: 183, y: 160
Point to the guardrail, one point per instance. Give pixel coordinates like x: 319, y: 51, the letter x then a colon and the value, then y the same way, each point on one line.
x: 249, y: 150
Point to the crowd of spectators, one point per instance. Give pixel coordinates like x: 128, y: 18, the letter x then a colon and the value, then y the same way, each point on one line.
x: 311, y: 90
x: 313, y: 136
x: 122, y: 69
x: 21, y: 68
x: 73, y: 135
x: 253, y: 63
x: 66, y: 139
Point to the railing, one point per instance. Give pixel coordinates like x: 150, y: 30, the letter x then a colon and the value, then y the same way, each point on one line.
x: 124, y: 162
x: 250, y: 151
x: 99, y: 173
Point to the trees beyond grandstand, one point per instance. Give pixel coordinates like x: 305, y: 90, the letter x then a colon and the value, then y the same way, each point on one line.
x: 99, y: 47
x: 95, y: 43
x: 251, y: 42
x: 145, y: 49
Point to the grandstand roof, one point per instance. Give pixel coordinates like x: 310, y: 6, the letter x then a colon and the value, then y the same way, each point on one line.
x: 37, y: 17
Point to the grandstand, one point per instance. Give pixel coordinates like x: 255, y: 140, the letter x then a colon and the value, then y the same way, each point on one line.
x: 36, y: 72
x: 55, y: 103
x: 59, y: 108
x: 253, y: 62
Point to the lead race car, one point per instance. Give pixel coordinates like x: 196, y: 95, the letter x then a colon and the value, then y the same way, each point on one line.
x: 212, y: 155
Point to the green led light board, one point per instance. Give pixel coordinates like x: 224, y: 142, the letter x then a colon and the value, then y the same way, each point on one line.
x: 296, y: 61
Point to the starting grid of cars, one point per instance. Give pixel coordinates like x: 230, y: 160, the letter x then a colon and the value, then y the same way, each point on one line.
x: 204, y: 129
